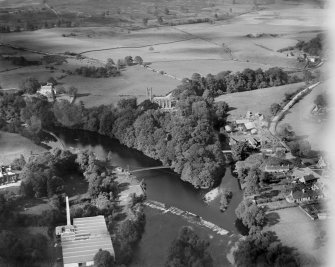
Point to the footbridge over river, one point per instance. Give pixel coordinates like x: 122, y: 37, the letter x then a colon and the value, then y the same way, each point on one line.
x: 148, y: 169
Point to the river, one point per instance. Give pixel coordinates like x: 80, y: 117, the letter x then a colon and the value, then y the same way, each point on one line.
x: 164, y: 185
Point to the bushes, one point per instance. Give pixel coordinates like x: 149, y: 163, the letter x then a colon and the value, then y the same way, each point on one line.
x: 97, y: 72
x: 40, y: 174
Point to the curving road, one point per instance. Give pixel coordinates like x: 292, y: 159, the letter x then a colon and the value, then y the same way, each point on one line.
x: 280, y: 115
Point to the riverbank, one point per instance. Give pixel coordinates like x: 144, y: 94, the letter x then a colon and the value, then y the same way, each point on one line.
x: 164, y: 186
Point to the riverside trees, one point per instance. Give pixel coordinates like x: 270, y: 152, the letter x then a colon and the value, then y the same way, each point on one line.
x: 189, y: 250
x: 185, y: 140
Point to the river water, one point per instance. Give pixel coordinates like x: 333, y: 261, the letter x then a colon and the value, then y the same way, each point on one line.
x: 164, y: 185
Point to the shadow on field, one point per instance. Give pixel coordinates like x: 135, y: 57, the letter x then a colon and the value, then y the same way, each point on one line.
x: 82, y: 94
x: 272, y: 218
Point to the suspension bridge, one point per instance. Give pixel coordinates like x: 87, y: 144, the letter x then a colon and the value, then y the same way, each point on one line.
x: 148, y: 169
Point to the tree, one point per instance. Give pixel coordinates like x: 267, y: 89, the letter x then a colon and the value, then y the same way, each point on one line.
x: 138, y: 60
x: 166, y: 11
x: 160, y: 19
x: 127, y: 103
x: 307, y: 76
x: 237, y: 151
x: 275, y: 107
x: 189, y: 250
x: 321, y: 100
x: 285, y: 130
x: 72, y: 91
x: 252, y: 182
x: 145, y: 21
x: 110, y: 63
x: 250, y: 214
x: 263, y: 249
x: 103, y: 258
x: 128, y: 60
x: 18, y: 163
x: 52, y: 80
x: 30, y: 85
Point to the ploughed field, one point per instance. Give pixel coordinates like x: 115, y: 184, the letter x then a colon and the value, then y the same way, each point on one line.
x: 178, y: 51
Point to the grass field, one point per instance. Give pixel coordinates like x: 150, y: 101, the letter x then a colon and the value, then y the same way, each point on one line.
x: 14, y: 145
x: 297, y: 230
x: 134, y: 81
x: 257, y: 100
x: 298, y: 116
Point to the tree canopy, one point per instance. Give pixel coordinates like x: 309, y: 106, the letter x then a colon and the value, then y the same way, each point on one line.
x: 189, y: 250
x: 103, y: 258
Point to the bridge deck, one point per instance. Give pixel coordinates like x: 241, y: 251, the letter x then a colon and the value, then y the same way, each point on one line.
x: 149, y: 168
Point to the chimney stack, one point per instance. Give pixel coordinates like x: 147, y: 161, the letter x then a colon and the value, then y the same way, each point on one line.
x: 68, y: 219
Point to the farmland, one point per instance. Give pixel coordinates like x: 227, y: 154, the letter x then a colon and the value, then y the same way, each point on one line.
x: 179, y: 51
x: 257, y: 100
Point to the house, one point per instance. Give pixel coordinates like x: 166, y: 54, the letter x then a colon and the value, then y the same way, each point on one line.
x: 305, y: 174
x: 47, y: 90
x: 82, y: 240
x: 277, y: 168
x: 299, y: 196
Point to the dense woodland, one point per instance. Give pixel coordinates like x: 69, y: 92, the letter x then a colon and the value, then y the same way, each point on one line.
x: 227, y: 82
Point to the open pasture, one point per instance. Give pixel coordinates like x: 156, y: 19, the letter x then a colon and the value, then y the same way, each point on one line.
x: 258, y: 100
x: 13, y: 145
x: 133, y: 81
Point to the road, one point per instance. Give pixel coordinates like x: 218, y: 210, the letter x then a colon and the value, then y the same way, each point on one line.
x: 280, y: 115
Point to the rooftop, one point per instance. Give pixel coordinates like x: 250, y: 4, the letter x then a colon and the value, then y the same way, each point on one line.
x: 90, y: 235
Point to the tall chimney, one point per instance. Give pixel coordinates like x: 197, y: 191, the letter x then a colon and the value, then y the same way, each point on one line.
x: 68, y: 219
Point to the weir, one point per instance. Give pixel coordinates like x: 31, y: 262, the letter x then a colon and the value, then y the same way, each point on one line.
x: 189, y: 216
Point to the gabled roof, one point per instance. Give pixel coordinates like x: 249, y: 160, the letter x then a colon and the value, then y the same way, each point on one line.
x: 309, y: 177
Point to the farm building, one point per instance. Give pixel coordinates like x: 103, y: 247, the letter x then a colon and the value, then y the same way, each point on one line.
x: 82, y: 240
x: 47, y: 90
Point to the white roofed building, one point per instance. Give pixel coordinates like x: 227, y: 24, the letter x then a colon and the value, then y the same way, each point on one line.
x: 82, y: 241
